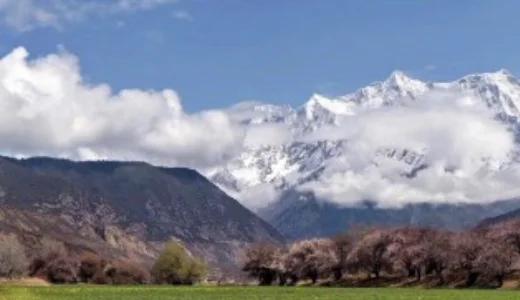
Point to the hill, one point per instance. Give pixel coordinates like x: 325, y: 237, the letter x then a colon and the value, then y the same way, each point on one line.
x: 124, y: 208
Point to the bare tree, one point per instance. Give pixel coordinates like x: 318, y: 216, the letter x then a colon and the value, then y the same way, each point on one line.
x: 13, y: 260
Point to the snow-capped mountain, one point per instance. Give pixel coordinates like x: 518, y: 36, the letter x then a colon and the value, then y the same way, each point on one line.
x: 272, y: 171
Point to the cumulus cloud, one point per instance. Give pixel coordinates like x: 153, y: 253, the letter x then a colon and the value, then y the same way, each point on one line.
x: 47, y: 109
x: 25, y: 15
x: 469, y: 155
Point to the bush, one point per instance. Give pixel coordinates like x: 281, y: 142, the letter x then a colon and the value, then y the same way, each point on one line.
x: 176, y: 266
x: 54, y: 263
x: 13, y: 260
x: 91, y: 267
x: 127, y: 272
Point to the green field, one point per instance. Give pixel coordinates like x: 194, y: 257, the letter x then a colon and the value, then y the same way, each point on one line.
x: 247, y: 293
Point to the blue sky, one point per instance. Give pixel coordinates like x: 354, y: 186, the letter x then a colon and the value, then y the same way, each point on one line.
x: 216, y: 53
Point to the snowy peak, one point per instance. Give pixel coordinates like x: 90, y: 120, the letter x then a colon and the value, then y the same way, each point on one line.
x: 302, y: 160
x: 319, y: 105
x: 254, y: 112
x: 398, y: 79
x: 404, y: 85
x: 499, y: 90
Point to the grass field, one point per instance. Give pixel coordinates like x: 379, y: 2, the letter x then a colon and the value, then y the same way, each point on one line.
x: 246, y: 293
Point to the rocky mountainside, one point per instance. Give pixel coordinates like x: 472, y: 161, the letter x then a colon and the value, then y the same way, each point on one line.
x: 275, y: 174
x: 124, y: 208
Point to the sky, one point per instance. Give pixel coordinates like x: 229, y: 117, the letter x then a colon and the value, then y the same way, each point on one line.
x: 153, y: 80
x: 216, y: 53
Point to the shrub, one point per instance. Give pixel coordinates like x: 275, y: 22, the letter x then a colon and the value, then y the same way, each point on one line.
x: 127, y: 272
x: 54, y: 263
x: 91, y: 266
x: 175, y: 266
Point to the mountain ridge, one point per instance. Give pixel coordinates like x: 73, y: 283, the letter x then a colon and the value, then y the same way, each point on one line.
x: 126, y: 208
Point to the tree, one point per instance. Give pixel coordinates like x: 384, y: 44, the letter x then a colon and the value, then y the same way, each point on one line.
x: 342, y: 245
x: 13, y: 260
x: 496, y: 260
x: 313, y: 258
x: 370, y: 253
x: 467, y: 248
x: 407, y: 250
x: 262, y: 261
x: 509, y: 232
x: 437, y: 253
x: 176, y: 266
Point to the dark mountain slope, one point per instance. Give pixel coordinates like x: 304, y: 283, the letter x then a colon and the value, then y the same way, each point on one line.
x: 300, y: 215
x: 130, y: 206
x: 496, y: 219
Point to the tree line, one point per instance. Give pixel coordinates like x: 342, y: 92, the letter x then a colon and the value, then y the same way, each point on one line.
x: 482, y: 257
x: 53, y: 262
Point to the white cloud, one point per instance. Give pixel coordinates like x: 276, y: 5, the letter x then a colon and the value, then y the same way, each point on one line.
x: 25, y: 15
x: 469, y: 154
x: 46, y: 109
x: 255, y: 197
x: 259, y: 135
x: 182, y: 15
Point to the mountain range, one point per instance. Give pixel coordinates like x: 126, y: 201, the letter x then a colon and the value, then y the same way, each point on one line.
x: 289, y: 183
x: 397, y: 152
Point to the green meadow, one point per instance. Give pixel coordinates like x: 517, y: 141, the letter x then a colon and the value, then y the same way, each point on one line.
x: 246, y: 293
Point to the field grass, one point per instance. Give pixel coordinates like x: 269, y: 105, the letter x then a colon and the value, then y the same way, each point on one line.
x: 246, y: 293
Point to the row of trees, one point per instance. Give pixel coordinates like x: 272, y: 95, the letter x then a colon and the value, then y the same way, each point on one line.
x: 481, y: 257
x: 53, y: 262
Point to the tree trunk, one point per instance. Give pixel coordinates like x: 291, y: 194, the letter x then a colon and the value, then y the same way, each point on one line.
x: 267, y: 277
x: 282, y: 279
x: 500, y: 280
x: 314, y: 277
x: 471, y: 277
x: 294, y: 279
x: 338, y: 273
x: 376, y: 274
x: 411, y: 272
x: 438, y: 272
